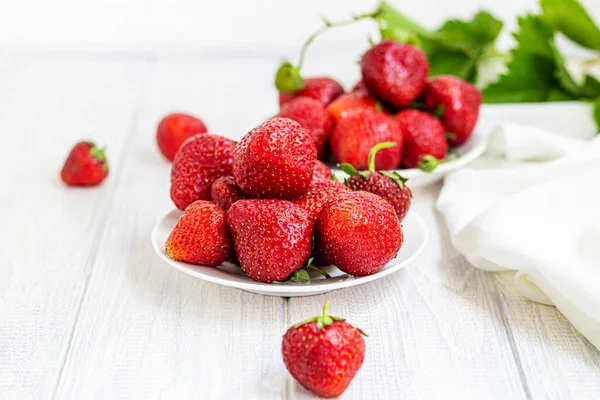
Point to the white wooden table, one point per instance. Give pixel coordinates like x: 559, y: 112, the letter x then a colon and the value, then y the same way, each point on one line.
x: 87, y: 311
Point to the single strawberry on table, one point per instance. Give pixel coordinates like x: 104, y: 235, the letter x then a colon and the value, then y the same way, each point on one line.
x: 272, y: 238
x: 275, y: 160
x: 174, y: 129
x: 312, y: 115
x: 321, y: 171
x: 354, y: 136
x: 458, y: 102
x: 395, y: 73
x: 86, y: 165
x: 386, y: 184
x: 323, y: 353
x: 319, y: 193
x: 200, y: 161
x: 324, y: 90
x: 201, y: 236
x: 224, y: 192
x: 425, y: 142
x: 358, y: 232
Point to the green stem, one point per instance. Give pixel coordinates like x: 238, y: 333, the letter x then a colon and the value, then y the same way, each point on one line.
x: 326, y: 308
x: 375, y: 149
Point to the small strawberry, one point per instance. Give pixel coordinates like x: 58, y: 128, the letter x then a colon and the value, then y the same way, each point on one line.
x: 351, y: 103
x: 198, y: 163
x: 385, y: 184
x: 319, y: 193
x: 358, y: 232
x: 321, y: 171
x: 312, y: 115
x: 395, y: 73
x: 424, y: 139
x: 224, y: 192
x: 173, y: 130
x: 275, y: 160
x: 354, y: 136
x: 86, y: 165
x: 272, y: 238
x: 458, y: 102
x: 323, y: 89
x: 323, y: 353
x: 201, y: 236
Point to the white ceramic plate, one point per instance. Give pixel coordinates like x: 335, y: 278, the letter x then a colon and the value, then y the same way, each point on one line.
x: 468, y: 151
x: 415, y: 237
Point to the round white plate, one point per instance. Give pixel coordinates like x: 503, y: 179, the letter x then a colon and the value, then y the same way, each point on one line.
x: 468, y: 151
x: 415, y: 237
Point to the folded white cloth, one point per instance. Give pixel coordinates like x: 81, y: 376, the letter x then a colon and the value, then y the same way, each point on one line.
x: 532, y: 204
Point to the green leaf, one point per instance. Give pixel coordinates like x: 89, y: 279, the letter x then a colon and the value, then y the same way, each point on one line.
x: 570, y: 18
x: 597, y: 113
x: 589, y: 88
x: 348, y: 168
x: 457, y: 63
x: 391, y: 17
x: 558, y: 94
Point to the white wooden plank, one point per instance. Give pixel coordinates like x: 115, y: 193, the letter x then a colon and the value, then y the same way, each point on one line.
x: 434, y: 330
x: 147, y: 331
x: 49, y: 233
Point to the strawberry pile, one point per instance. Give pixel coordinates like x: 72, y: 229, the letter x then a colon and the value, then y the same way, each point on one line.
x: 394, y: 102
x: 269, y: 205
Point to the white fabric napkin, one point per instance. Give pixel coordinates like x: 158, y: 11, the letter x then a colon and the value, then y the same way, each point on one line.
x: 532, y: 204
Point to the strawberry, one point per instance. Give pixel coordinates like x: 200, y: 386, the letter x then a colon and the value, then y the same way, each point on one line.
x: 424, y: 139
x: 319, y: 192
x: 86, y: 165
x: 354, y: 136
x: 311, y: 114
x: 275, y: 160
x: 395, y: 73
x: 388, y: 185
x: 201, y: 236
x: 360, y: 85
x: 173, y: 130
x: 359, y: 232
x: 224, y: 192
x: 272, y: 238
x: 351, y: 103
x: 323, y: 89
x: 459, y: 103
x: 198, y: 163
x: 323, y: 353
x: 321, y: 171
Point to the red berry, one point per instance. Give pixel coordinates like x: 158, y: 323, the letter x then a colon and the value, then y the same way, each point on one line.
x: 351, y: 103
x: 200, y: 161
x: 321, y: 171
x: 323, y: 89
x: 424, y: 139
x: 395, y: 73
x: 360, y: 85
x: 319, y: 193
x: 354, y: 136
x: 312, y: 115
x: 275, y: 160
x: 358, y: 232
x: 459, y: 102
x: 86, y: 165
x: 323, y: 353
x: 272, y: 238
x: 224, y: 192
x: 173, y: 130
x: 201, y: 236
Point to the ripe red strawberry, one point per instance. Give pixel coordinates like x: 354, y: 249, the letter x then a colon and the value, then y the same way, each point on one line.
x: 323, y: 89
x: 424, y: 139
x: 354, y: 136
x: 386, y: 184
x: 173, y: 130
x: 359, y: 232
x: 224, y: 192
x: 323, y: 353
x: 312, y: 115
x: 360, y: 85
x: 275, y: 160
x: 319, y: 193
x: 86, y: 165
x: 395, y: 73
x: 201, y: 236
x: 272, y: 238
x: 321, y: 171
x: 198, y: 163
x: 351, y: 103
x: 459, y: 102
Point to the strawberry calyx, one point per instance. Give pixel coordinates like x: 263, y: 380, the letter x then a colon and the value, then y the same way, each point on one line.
x: 322, y: 320
x: 98, y: 154
x: 450, y: 136
x: 428, y: 162
x: 301, y: 274
x: 375, y: 149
